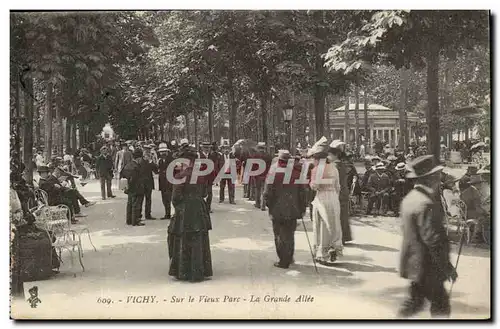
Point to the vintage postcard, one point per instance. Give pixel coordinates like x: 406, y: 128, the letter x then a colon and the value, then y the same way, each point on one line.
x: 258, y: 164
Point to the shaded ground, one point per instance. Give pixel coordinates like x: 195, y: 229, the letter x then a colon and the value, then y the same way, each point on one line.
x: 132, y: 261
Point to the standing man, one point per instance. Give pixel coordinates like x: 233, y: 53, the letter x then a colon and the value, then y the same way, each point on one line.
x: 104, y: 166
x: 286, y: 203
x: 425, y: 252
x: 227, y: 156
x: 165, y: 187
x: 123, y: 158
x: 206, y: 153
x: 147, y: 169
x: 259, y: 181
x: 135, y: 188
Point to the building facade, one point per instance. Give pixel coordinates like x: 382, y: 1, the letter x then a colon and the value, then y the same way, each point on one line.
x: 383, y: 124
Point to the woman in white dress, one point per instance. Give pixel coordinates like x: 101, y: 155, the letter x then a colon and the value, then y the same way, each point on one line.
x: 326, y: 208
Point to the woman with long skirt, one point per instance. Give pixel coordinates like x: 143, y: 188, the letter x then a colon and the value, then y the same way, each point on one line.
x: 188, y: 242
x: 335, y: 156
x: 326, y: 208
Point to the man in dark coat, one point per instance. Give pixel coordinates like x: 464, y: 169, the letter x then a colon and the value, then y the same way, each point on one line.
x: 58, y: 194
x: 425, y: 252
x: 148, y: 167
x: 165, y: 187
x: 260, y: 180
x: 379, y: 186
x: 208, y: 153
x: 135, y: 188
x: 287, y: 203
x: 104, y: 165
x: 225, y: 164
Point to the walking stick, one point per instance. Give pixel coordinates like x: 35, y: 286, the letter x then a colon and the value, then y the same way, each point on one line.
x: 310, y: 248
x: 458, y: 257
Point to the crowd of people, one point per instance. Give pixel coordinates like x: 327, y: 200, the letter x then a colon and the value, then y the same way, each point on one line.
x: 407, y: 184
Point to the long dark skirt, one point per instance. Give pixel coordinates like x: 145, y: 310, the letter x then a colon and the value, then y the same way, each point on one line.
x: 190, y: 258
x: 344, y: 220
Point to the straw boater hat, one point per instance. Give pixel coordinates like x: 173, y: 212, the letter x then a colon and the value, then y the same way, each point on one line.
x: 284, y: 154
x: 422, y: 166
x: 379, y: 165
x: 184, y: 141
x: 162, y: 147
x: 401, y: 166
x: 261, y: 145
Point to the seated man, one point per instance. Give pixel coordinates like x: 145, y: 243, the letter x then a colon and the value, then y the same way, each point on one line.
x: 472, y: 198
x: 378, y: 186
x: 57, y: 194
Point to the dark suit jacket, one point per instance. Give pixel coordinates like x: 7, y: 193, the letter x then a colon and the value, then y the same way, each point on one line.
x: 425, y: 250
x: 472, y: 199
x: 286, y: 201
x: 132, y: 172
x: 104, y: 166
x: 163, y: 183
x: 55, y: 194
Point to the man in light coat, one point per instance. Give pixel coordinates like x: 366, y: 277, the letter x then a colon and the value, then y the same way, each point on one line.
x: 425, y: 252
x: 122, y: 158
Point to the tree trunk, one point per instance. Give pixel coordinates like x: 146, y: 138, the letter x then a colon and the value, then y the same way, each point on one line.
x: 59, y: 123
x: 233, y: 107
x: 73, y: 135
x: 346, y: 120
x: 367, y: 129
x: 186, y: 118
x: 67, y: 134
x: 17, y: 114
x: 403, y: 142
x: 356, y: 115
x: 81, y: 135
x: 28, y: 129
x: 48, y: 123
x: 210, y: 100
x: 264, y: 102
x: 433, y: 142
x: 319, y: 109
x: 195, y: 119
x: 36, y: 120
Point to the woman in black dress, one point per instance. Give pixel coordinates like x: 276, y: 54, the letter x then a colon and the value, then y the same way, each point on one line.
x: 188, y: 242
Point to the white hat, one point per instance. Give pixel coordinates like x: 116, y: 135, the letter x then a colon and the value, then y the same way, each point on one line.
x: 336, y: 143
x: 318, y: 146
x: 380, y: 165
x: 401, y: 166
x: 162, y: 147
x: 184, y: 141
x: 284, y: 154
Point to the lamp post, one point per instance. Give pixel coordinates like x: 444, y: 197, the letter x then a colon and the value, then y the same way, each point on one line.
x: 288, y: 116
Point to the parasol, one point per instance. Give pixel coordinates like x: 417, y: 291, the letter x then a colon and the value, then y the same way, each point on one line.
x: 478, y: 145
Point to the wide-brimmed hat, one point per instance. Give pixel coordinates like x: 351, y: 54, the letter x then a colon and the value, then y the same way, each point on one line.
x: 336, y: 143
x: 284, y: 154
x: 163, y: 147
x: 320, y: 147
x: 261, y: 145
x: 137, y: 153
x: 43, y: 168
x: 401, y: 166
x: 379, y: 165
x: 422, y: 166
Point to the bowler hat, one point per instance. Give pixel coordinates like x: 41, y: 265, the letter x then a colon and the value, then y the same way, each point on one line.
x: 284, y: 154
x: 137, y: 153
x: 43, y: 168
x: 422, y: 166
